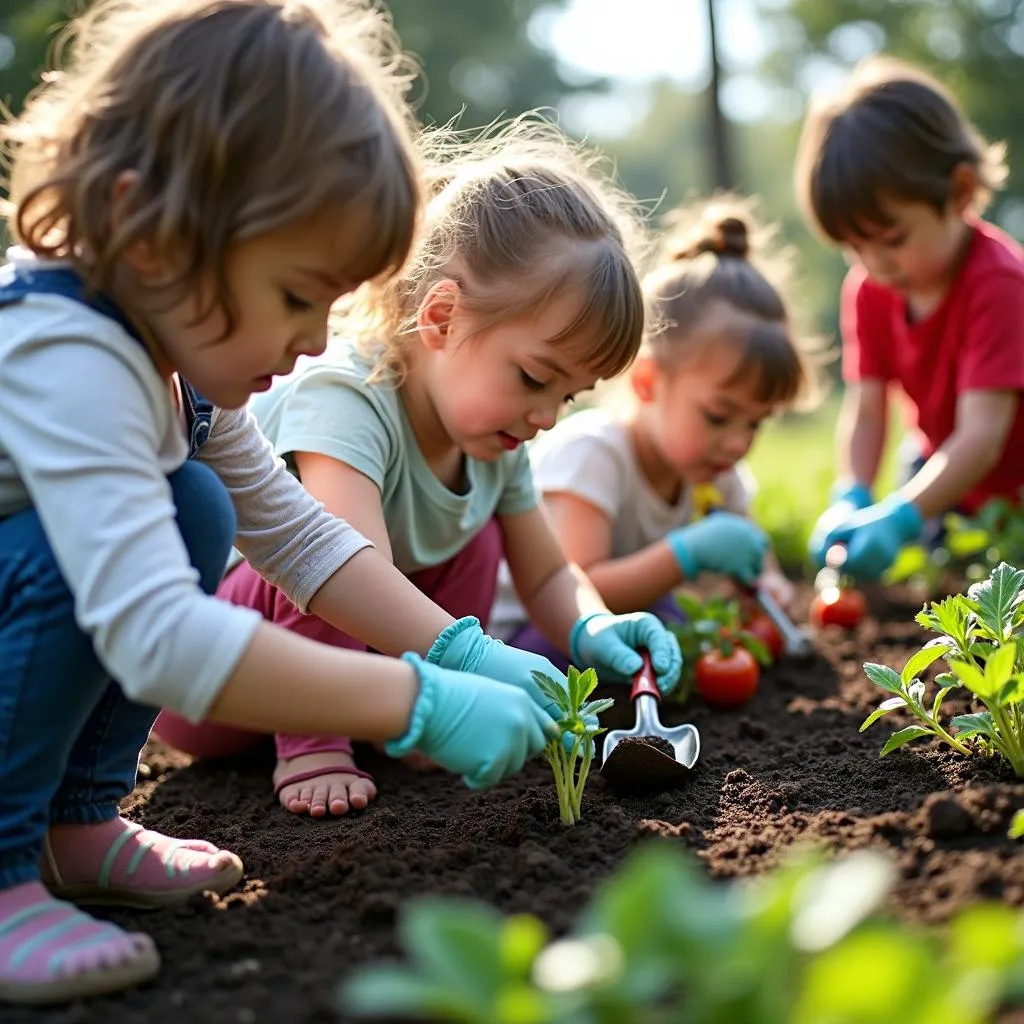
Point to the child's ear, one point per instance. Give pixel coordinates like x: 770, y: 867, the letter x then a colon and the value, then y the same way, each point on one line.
x: 963, y: 186
x: 434, y: 316
x: 642, y: 375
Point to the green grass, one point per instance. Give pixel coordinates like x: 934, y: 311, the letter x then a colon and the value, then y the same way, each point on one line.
x: 793, y: 462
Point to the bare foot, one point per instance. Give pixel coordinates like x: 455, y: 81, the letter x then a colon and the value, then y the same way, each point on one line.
x: 334, y: 792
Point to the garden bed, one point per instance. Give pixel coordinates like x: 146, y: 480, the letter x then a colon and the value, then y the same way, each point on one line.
x: 319, y: 898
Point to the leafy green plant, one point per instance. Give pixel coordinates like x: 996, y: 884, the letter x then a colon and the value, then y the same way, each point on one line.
x: 1017, y: 825
x: 979, y: 636
x: 714, y: 624
x: 571, y: 756
x: 661, y: 943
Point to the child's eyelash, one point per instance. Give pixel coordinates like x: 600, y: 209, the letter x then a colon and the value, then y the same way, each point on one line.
x: 531, y: 382
x: 292, y: 301
x: 714, y: 419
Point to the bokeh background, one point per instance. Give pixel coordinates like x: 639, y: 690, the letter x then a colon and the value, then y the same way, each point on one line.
x: 686, y: 96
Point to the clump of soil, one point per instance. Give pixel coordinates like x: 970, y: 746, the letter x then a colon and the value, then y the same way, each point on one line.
x: 658, y: 742
x: 320, y: 898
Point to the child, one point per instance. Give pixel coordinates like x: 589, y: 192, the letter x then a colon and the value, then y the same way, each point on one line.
x: 622, y: 488
x: 193, y: 193
x: 934, y: 302
x: 519, y: 294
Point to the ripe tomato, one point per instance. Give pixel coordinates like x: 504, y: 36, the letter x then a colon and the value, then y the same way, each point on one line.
x: 835, y: 607
x: 764, y: 629
x: 727, y: 680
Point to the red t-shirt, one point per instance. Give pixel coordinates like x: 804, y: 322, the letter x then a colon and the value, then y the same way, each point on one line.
x: 973, y: 341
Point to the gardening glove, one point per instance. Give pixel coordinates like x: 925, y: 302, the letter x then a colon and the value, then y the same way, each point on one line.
x: 874, y: 535
x: 845, y: 499
x: 480, y: 729
x: 465, y: 647
x: 723, y: 542
x: 611, y: 643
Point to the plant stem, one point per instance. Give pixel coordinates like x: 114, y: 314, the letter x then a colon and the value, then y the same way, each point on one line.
x: 1010, y: 746
x: 921, y: 715
x: 581, y: 780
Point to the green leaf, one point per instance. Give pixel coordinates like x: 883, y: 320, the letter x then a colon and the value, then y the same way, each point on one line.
x: 948, y: 616
x: 588, y: 680
x: 939, y: 698
x: 884, y: 708
x: 396, y: 991
x: 756, y: 647
x: 973, y: 725
x: 1013, y: 691
x: 920, y: 660
x: 554, y: 691
x: 986, y: 936
x: 692, y: 607
x: 898, y: 739
x: 884, y: 677
x: 997, y: 597
x: 999, y: 667
x: 971, y: 676
x: 596, y: 707
x: 1017, y: 825
x: 522, y: 938
x: 575, y: 688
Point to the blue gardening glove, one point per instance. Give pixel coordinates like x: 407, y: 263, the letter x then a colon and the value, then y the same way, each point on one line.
x: 723, y: 542
x: 874, y: 535
x: 480, y: 729
x: 845, y: 499
x: 610, y: 644
x: 465, y: 647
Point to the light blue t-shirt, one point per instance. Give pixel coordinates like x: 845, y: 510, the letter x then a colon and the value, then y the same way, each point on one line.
x: 328, y: 407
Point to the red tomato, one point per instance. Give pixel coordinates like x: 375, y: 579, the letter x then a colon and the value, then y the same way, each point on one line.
x: 764, y: 629
x: 834, y: 607
x: 727, y: 680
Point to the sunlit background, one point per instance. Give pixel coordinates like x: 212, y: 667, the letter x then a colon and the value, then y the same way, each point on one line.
x: 635, y: 77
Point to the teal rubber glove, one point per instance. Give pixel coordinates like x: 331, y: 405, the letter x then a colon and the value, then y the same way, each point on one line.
x: 874, y: 535
x: 465, y: 647
x: 611, y: 643
x: 844, y: 500
x: 723, y: 542
x: 480, y: 729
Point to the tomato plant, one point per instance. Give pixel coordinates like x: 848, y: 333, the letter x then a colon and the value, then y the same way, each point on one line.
x: 762, y: 627
x: 838, y: 607
x: 727, y: 680
x: 717, y: 645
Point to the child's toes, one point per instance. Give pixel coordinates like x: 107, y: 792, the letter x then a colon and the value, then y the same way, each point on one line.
x: 360, y: 793
x: 322, y: 793
x: 339, y: 800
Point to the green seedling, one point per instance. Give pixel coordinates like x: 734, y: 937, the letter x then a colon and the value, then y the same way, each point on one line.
x: 979, y: 637
x: 660, y: 942
x: 571, y: 756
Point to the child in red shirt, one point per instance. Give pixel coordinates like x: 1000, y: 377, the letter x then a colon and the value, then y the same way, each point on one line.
x: 934, y: 302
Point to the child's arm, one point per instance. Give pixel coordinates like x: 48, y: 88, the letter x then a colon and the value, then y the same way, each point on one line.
x: 983, y: 422
x: 566, y: 607
x: 861, y: 431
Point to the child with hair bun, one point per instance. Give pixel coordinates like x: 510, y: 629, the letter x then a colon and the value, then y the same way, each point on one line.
x: 625, y: 490
x: 932, y: 309
x: 520, y: 293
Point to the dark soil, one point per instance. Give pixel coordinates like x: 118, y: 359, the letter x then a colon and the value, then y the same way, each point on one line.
x: 320, y: 898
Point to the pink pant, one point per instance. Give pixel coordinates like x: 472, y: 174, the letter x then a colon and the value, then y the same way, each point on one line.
x: 464, y: 585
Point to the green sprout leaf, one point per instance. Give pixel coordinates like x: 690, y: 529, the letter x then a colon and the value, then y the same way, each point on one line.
x: 884, y: 708
x: 1017, y: 825
x: 973, y: 725
x: 898, y: 739
x: 884, y: 677
x: 919, y: 661
x: 997, y: 597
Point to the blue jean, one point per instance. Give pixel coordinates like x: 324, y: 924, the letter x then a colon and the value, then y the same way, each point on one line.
x: 69, y: 737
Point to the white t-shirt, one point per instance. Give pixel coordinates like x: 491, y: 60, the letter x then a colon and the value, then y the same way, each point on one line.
x: 591, y: 455
x: 89, y: 432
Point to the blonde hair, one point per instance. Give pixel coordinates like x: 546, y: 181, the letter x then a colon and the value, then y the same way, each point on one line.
x: 518, y: 215
x: 238, y: 117
x: 893, y: 133
x: 707, y: 259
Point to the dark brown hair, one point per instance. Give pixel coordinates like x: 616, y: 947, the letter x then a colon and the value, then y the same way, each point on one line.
x: 707, y: 261
x: 894, y: 133
x: 237, y: 117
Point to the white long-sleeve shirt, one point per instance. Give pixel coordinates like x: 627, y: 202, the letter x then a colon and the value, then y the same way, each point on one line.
x: 89, y: 432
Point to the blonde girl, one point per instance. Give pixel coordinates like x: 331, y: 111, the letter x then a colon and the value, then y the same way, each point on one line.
x: 519, y: 295
x: 191, y: 195
x: 623, y: 488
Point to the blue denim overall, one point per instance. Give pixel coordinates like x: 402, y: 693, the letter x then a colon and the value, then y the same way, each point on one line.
x: 69, y: 738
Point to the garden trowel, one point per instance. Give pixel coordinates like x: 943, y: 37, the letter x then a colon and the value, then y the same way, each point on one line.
x: 650, y: 755
x: 831, y: 575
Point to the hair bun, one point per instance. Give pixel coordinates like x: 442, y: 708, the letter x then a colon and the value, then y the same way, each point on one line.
x: 728, y: 237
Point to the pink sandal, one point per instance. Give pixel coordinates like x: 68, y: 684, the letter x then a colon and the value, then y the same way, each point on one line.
x: 330, y: 769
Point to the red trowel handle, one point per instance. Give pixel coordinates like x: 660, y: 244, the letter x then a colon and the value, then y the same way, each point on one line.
x: 645, y: 681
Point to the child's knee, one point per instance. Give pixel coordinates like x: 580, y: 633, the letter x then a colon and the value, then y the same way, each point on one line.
x: 206, y: 520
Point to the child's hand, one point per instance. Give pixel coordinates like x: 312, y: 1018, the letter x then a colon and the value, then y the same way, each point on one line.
x: 874, y: 535
x: 778, y: 587
x: 723, y: 542
x: 465, y: 647
x: 480, y: 729
x: 845, y: 501
x: 609, y: 643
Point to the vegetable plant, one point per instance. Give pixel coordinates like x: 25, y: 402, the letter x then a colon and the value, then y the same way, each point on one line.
x: 571, y: 755
x: 838, y: 606
x: 660, y: 942
x: 980, y: 638
x: 720, y: 655
x: 761, y: 627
